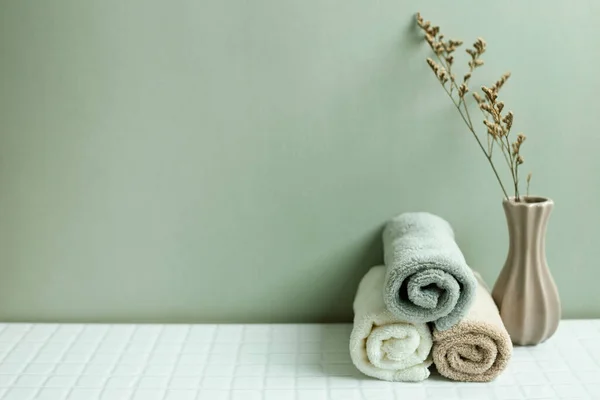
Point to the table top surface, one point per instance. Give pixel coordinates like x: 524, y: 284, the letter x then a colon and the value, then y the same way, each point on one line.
x: 266, y: 362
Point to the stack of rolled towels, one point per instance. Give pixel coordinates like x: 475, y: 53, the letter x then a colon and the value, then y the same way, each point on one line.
x: 424, y: 306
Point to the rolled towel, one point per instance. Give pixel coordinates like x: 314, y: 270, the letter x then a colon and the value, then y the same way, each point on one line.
x: 478, y: 348
x: 381, y: 345
x: 427, y: 277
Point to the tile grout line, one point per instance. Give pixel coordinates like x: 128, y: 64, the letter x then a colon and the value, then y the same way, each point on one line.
x: 61, y: 358
x: 14, y: 346
x: 323, y: 361
x: 177, y: 359
x: 45, y: 343
x: 269, y: 342
x: 237, y: 359
x: 212, y: 341
x: 297, y: 360
x: 136, y: 385
x: 100, y: 341
x: 4, y: 328
x: 110, y: 374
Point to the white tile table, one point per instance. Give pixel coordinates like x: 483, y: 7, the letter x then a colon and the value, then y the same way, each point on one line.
x: 266, y: 362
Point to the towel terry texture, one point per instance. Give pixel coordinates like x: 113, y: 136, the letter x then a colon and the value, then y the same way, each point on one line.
x: 381, y: 345
x: 427, y: 277
x: 478, y: 348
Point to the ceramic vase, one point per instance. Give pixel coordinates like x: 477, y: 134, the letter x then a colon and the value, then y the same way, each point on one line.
x: 525, y: 292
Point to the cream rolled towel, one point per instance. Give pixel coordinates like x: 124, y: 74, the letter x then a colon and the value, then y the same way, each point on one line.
x: 381, y: 345
x: 478, y: 348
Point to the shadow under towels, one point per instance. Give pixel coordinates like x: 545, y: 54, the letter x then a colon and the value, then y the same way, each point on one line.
x: 478, y: 348
x: 427, y: 276
x: 381, y: 345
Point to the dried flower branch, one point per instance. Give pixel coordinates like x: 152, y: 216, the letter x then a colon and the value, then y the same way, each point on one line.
x: 498, y: 125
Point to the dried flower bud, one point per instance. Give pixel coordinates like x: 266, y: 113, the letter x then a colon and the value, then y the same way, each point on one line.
x: 499, y: 106
x: 480, y: 45
x: 452, y: 45
x: 508, y: 120
x: 462, y: 90
x: 442, y: 74
x: 501, y: 81
x: 450, y: 60
x: 478, y: 98
x: 433, y: 65
x: 467, y: 77
x: 491, y: 96
x: 520, y: 160
x: 516, y: 146
x: 438, y: 48
x: 496, y: 115
x: 491, y: 127
x: 429, y: 39
x: 472, y: 53
x: 478, y: 62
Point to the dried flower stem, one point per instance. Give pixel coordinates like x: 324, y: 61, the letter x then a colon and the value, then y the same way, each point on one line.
x: 504, y: 148
x: 513, y: 168
x: 467, y: 120
x: 498, y: 125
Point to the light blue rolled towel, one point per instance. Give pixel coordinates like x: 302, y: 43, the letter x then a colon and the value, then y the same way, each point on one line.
x: 427, y: 277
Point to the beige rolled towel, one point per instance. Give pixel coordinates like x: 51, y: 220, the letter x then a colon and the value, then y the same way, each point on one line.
x: 478, y: 348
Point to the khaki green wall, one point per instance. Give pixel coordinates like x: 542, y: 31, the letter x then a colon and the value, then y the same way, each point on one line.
x: 232, y: 160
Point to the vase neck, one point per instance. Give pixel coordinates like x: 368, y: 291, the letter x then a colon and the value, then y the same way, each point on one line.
x: 527, y: 227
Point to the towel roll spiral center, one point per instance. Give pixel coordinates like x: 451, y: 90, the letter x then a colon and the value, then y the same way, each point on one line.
x: 433, y: 289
